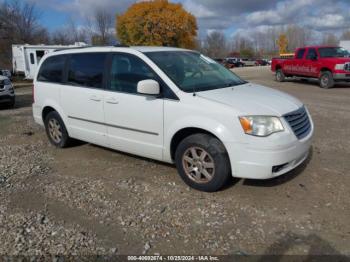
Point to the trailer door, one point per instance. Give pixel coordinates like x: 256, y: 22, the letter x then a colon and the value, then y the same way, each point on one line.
x: 32, y: 64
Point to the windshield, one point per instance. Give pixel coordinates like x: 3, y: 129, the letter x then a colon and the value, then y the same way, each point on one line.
x: 333, y: 52
x: 193, y: 72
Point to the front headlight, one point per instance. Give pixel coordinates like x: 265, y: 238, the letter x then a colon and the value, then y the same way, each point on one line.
x: 261, y: 125
x: 339, y: 66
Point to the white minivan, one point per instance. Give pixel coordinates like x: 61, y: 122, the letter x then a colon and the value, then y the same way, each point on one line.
x: 173, y: 105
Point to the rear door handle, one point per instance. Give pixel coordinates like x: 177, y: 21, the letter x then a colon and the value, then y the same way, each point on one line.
x: 112, y: 100
x: 95, y: 98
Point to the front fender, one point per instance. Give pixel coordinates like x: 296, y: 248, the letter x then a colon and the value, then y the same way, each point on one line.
x: 218, y: 129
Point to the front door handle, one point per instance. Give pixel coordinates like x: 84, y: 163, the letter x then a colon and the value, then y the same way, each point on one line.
x: 95, y: 98
x: 112, y: 100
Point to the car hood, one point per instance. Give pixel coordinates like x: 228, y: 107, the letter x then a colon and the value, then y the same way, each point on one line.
x: 253, y: 99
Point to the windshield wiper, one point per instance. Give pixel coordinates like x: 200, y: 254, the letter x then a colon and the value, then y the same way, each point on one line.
x: 235, y: 84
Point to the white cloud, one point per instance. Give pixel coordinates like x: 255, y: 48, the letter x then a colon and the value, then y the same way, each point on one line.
x: 328, y: 21
x: 269, y: 17
x: 315, y: 15
x: 198, y: 10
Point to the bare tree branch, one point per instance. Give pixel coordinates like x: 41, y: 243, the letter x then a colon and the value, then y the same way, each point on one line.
x: 19, y: 24
x: 215, y: 45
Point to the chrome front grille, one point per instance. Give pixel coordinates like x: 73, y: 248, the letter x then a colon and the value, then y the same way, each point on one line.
x: 299, y: 122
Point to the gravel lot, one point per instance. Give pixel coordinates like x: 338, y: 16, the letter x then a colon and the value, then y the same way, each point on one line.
x: 91, y: 200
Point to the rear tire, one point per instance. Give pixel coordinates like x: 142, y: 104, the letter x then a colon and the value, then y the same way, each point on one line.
x: 280, y: 77
x: 326, y: 80
x: 202, y: 162
x: 56, y: 130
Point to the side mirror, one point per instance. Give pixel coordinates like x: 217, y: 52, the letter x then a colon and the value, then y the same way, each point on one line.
x: 314, y: 57
x: 148, y: 87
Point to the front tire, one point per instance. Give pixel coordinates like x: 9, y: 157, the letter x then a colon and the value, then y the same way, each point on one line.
x: 280, y: 77
x: 56, y: 130
x: 202, y: 162
x: 326, y: 80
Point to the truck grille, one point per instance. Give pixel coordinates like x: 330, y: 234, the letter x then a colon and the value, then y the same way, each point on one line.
x: 347, y: 66
x: 299, y: 122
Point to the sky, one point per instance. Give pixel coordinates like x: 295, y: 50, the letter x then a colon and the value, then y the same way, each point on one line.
x: 230, y: 16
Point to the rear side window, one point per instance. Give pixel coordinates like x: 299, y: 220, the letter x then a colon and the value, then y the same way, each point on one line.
x: 52, y: 69
x: 126, y: 71
x: 86, y: 69
x: 300, y: 53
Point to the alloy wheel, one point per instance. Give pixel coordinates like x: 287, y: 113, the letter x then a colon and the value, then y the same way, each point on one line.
x: 198, y: 164
x: 278, y: 76
x: 324, y: 80
x: 55, y: 130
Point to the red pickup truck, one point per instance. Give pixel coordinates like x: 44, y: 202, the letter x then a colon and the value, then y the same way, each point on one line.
x: 329, y: 64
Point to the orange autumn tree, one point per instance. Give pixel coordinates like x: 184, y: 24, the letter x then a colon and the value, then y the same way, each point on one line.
x: 157, y: 23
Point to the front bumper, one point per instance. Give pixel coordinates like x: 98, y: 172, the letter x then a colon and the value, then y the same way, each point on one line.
x: 342, y: 76
x: 248, y: 161
x: 7, y: 95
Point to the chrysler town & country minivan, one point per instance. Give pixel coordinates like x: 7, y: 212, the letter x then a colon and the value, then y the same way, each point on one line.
x: 173, y: 105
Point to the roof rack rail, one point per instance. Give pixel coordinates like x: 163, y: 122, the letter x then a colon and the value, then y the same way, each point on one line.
x: 69, y: 48
x: 89, y: 46
x: 120, y: 45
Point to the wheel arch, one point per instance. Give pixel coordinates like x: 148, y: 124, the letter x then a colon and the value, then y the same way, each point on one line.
x: 51, y: 106
x: 325, y: 69
x: 185, y: 132
x: 46, y: 110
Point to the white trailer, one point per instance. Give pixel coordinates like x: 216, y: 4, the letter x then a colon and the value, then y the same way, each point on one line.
x: 25, y: 58
x: 345, y: 44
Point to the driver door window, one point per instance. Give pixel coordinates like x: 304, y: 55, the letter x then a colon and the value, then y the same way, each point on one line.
x: 126, y: 71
